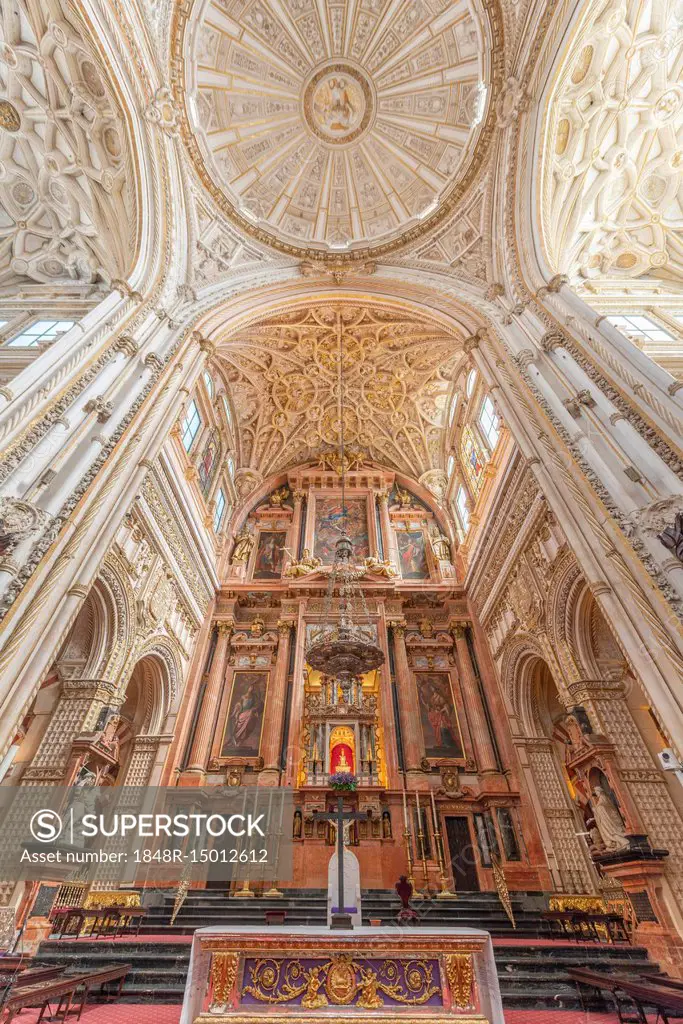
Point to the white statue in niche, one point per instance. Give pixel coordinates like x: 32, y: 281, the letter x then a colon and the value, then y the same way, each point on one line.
x: 608, y: 821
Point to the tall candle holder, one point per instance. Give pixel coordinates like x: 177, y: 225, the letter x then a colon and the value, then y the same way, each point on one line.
x: 446, y: 893
x: 407, y: 838
x: 274, y: 893
x: 421, y: 843
x: 245, y: 892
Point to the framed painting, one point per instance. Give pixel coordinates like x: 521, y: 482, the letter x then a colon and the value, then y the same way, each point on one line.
x: 244, y: 721
x: 332, y: 519
x: 412, y: 555
x: 440, y: 726
x: 270, y: 555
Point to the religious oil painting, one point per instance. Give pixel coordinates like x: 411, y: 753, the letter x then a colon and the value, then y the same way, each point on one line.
x: 440, y: 727
x: 332, y: 520
x: 270, y: 555
x: 242, y: 736
x: 412, y: 555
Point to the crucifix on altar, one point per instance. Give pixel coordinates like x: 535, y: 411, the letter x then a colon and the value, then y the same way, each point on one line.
x: 340, y: 917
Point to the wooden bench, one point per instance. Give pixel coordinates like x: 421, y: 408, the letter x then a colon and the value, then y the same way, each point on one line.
x: 641, y: 994
x: 63, y: 990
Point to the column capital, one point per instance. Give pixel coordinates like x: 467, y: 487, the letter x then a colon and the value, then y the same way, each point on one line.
x: 597, y: 689
x: 382, y: 498
x: 224, y: 626
x: 284, y: 626
x: 551, y: 340
x: 398, y: 629
x: 299, y: 496
x: 458, y: 629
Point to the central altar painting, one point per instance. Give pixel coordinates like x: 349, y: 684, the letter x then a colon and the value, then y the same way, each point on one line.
x: 332, y: 520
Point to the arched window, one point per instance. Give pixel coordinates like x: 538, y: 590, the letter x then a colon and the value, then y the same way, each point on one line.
x: 219, y: 511
x: 231, y: 465
x: 451, y: 464
x: 191, y: 425
x: 208, y: 462
x: 208, y: 380
x: 454, y: 406
x: 489, y: 422
x: 471, y: 381
x: 461, y: 505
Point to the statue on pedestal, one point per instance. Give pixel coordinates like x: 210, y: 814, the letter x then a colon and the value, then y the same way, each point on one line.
x: 441, y: 546
x: 608, y: 821
x: 382, y: 567
x: 244, y: 542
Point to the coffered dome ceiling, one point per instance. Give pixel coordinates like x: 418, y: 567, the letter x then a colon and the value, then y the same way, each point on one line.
x: 283, y: 372
x: 330, y: 127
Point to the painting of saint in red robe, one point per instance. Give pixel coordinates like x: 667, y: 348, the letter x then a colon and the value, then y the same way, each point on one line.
x: 242, y: 737
x: 438, y: 715
x: 268, y: 564
x: 411, y: 553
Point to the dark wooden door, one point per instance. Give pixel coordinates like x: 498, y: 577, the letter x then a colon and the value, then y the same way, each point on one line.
x: 462, y: 856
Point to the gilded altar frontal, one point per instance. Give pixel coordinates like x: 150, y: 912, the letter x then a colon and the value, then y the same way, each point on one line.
x: 341, y: 510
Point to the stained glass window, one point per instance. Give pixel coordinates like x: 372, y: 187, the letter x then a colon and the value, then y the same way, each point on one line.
x: 473, y: 460
x: 207, y: 463
x: 471, y: 381
x: 208, y: 380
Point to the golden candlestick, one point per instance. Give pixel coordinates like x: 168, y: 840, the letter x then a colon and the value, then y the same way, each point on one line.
x: 446, y: 893
x: 421, y: 841
x: 407, y: 836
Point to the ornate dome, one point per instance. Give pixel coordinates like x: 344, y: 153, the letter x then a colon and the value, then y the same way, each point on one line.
x: 325, y: 128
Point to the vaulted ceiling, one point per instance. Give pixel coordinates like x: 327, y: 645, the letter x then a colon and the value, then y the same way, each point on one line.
x: 67, y: 204
x: 329, y: 126
x: 283, y: 378
x: 612, y: 180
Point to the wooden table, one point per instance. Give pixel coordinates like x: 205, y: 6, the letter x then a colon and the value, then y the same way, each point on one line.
x: 667, y: 1002
x: 64, y: 989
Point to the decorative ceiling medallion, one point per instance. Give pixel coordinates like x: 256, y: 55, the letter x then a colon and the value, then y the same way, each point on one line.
x: 338, y: 104
x: 336, y: 130
x: 9, y: 116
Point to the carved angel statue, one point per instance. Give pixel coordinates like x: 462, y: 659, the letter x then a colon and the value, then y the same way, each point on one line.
x: 405, y: 497
x: 441, y: 546
x: 382, y: 567
x: 608, y: 821
x: 244, y: 543
x: 307, y: 563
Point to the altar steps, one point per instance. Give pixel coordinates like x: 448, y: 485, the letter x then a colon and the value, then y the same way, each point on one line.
x: 308, y: 907
x: 531, y: 977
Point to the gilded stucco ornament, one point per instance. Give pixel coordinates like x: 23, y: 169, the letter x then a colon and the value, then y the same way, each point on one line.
x: 511, y: 102
x: 369, y: 158
x: 283, y: 372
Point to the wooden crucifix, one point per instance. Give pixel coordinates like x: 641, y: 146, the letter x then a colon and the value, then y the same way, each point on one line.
x: 341, y: 919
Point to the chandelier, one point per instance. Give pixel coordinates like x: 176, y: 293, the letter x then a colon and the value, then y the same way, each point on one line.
x: 344, y: 647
